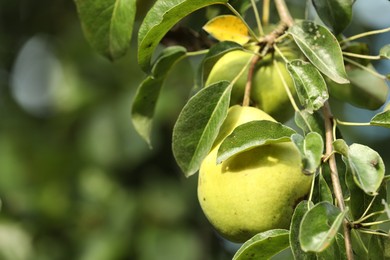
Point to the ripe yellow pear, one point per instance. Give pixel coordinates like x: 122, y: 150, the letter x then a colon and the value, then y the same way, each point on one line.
x: 268, y: 92
x: 255, y: 190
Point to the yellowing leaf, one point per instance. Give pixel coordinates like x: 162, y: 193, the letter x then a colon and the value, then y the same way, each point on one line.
x: 228, y: 28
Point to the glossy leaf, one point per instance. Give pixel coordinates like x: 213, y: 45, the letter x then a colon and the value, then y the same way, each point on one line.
x: 309, y: 84
x: 159, y: 20
x: 263, y: 245
x: 310, y: 122
x: 146, y: 97
x: 299, y: 212
x: 198, y: 124
x: 107, y: 25
x: 319, y: 227
x: 212, y: 56
x: 379, y: 247
x: 385, y: 52
x: 311, y: 148
x: 367, y: 168
x: 253, y: 134
x: 144, y: 104
x: 228, y: 28
x: 381, y: 119
x: 321, y: 48
x: 336, y: 14
x: 365, y: 90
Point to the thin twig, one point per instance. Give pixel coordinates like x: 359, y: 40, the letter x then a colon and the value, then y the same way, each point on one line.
x: 248, y: 86
x: 328, y: 117
x: 266, y: 7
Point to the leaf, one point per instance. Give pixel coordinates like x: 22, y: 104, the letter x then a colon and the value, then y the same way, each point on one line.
x: 144, y: 104
x: 336, y: 14
x: 212, y: 56
x: 309, y: 84
x: 198, y: 124
x: 367, y: 168
x: 324, y: 190
x: 311, y: 148
x: 166, y: 60
x: 321, y: 48
x: 228, y: 28
x: 365, y: 90
x: 159, y: 20
x: 341, y: 147
x: 107, y: 25
x: 385, y: 52
x: 379, y: 247
x: 253, y: 134
x: 263, y: 245
x: 299, y: 212
x: 319, y: 227
x: 310, y: 122
x: 381, y: 119
x: 146, y: 97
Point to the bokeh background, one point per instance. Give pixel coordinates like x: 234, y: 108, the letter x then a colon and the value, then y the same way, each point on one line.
x: 76, y: 181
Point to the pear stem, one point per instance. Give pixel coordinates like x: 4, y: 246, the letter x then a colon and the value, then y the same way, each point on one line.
x: 248, y: 85
x: 328, y: 117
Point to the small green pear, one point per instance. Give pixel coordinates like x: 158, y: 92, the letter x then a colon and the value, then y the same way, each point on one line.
x: 253, y: 191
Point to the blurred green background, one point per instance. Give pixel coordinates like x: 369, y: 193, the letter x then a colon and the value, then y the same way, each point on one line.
x: 76, y: 181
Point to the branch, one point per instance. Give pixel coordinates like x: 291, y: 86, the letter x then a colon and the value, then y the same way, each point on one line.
x: 328, y: 117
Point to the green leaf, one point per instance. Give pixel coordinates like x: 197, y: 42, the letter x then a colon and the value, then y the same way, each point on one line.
x: 253, y: 134
x: 309, y: 84
x: 341, y: 147
x: 212, y: 56
x: 159, y: 20
x: 367, y: 168
x: 311, y: 148
x: 359, y: 201
x: 336, y: 14
x: 263, y: 245
x: 198, y: 124
x: 365, y: 89
x: 144, y: 104
x: 381, y: 119
x: 107, y: 25
x: 299, y: 212
x: 146, y: 97
x: 385, y: 52
x: 321, y: 48
x: 166, y: 60
x: 379, y: 248
x: 310, y: 122
x: 324, y: 190
x: 319, y: 227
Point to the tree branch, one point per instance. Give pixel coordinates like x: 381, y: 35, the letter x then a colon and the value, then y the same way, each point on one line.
x: 328, y: 117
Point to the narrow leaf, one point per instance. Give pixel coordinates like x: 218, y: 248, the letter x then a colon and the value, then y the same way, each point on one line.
x: 263, y: 245
x: 324, y: 190
x: 367, y: 168
x: 381, y: 119
x: 319, y: 227
x: 299, y: 212
x: 198, y: 124
x: 228, y: 28
x: 385, y: 52
x: 144, y: 104
x: 336, y: 14
x: 309, y: 84
x: 107, y: 25
x: 253, y: 134
x: 146, y: 97
x: 321, y: 48
x: 159, y: 20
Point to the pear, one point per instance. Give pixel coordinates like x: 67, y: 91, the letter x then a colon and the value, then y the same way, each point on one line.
x: 268, y: 92
x: 253, y: 191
